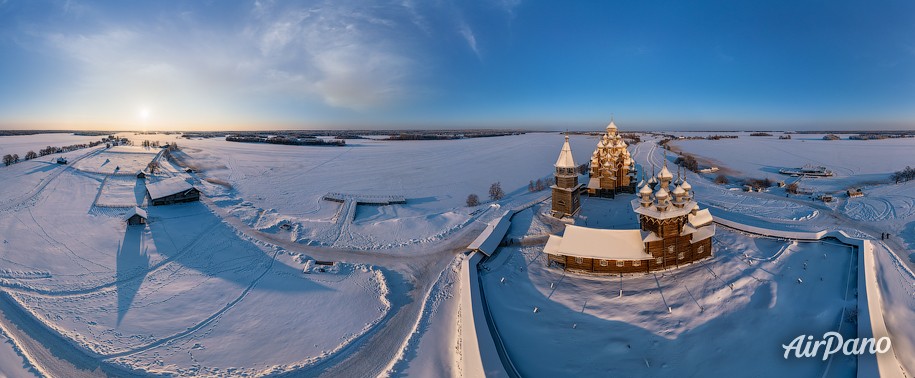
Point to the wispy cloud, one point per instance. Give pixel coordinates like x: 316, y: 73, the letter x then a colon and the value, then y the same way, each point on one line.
x: 468, y: 35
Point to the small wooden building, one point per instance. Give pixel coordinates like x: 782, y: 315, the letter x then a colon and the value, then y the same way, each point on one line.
x: 141, y: 175
x: 61, y: 160
x: 855, y: 192
x: 136, y: 216
x: 172, y: 190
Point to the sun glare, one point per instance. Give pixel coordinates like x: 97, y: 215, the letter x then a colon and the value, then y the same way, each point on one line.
x: 144, y: 113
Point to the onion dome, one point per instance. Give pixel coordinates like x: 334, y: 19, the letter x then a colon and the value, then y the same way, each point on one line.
x: 645, y: 190
x: 679, y: 191
x: 686, y: 186
x: 696, y: 207
x: 661, y: 194
x: 652, y: 180
x: 611, y: 126
x: 665, y: 174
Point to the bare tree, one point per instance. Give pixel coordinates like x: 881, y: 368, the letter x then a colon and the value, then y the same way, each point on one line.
x: 15, y: 158
x: 530, y: 187
x: 722, y: 179
x: 8, y: 159
x: 538, y: 185
x: 30, y: 155
x: 153, y: 167
x: 495, y: 191
x: 473, y: 200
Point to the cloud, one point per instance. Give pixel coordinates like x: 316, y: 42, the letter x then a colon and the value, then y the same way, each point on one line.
x: 337, y: 51
x: 468, y: 35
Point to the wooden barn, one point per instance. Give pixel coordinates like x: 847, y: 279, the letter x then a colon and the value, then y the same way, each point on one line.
x: 172, y: 190
x: 855, y: 192
x: 136, y: 216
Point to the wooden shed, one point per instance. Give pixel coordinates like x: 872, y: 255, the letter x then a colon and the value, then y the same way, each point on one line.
x: 172, y: 190
x: 136, y: 216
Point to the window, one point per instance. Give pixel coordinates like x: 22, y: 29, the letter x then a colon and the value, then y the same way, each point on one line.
x: 681, y: 256
x: 700, y: 249
x: 637, y: 263
x: 660, y: 260
x: 620, y: 263
x: 578, y: 260
x: 670, y: 249
x: 603, y: 262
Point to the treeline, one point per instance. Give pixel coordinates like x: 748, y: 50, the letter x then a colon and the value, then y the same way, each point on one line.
x: 10, y: 159
x: 451, y: 135
x: 688, y: 162
x: 286, y: 141
x: 904, y: 175
x: 760, y: 134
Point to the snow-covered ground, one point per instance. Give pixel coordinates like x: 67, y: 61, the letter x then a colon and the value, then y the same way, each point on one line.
x: 275, y: 185
x: 725, y: 314
x: 216, y: 288
x: 21, y: 144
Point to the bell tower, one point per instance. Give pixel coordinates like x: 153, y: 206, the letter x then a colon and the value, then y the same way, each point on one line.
x: 566, y: 200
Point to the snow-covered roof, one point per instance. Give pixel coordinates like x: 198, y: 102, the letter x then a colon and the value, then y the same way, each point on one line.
x: 167, y: 187
x: 599, y: 244
x: 489, y: 239
x: 565, y: 156
x: 701, y: 218
x: 594, y: 183
x: 611, y: 126
x: 703, y: 233
x: 135, y: 211
x: 686, y: 185
x: 552, y: 244
x: 665, y: 173
x: 669, y: 213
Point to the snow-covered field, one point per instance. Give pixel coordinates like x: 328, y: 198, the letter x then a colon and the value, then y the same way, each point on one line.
x: 124, y: 160
x: 217, y: 288
x: 276, y: 185
x: 854, y: 162
x: 722, y: 315
x: 21, y: 144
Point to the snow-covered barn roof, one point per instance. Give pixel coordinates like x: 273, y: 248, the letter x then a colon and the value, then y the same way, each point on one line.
x: 703, y: 233
x: 599, y: 244
x: 565, y: 156
x: 136, y: 211
x: 701, y: 218
x: 167, y: 187
x: 489, y: 239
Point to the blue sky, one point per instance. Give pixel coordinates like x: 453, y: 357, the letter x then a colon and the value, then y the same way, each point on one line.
x: 438, y: 63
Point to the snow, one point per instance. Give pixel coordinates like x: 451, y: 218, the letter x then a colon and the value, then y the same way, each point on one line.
x: 493, y: 235
x: 167, y: 187
x: 602, y: 244
x: 565, y: 159
x: 761, y: 306
x: 21, y: 144
x: 122, y: 160
x: 217, y: 288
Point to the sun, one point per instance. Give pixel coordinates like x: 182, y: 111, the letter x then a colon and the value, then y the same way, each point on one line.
x: 144, y: 113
